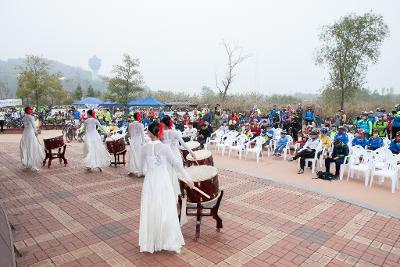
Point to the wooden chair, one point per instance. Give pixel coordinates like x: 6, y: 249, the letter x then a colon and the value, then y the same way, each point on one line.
x: 51, y: 144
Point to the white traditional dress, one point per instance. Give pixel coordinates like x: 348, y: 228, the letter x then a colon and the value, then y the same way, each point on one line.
x: 136, y: 141
x: 31, y: 152
x: 95, y: 154
x: 159, y: 227
x: 173, y: 138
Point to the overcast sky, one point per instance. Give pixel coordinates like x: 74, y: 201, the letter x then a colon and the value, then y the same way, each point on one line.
x: 179, y: 41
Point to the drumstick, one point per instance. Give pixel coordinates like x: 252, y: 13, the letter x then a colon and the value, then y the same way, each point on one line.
x: 201, y: 192
x: 197, y: 189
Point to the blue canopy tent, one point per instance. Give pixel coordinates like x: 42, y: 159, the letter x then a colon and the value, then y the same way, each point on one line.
x: 89, y: 101
x: 111, y: 104
x: 146, y: 102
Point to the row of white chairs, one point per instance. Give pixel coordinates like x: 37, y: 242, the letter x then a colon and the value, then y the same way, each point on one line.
x: 381, y: 163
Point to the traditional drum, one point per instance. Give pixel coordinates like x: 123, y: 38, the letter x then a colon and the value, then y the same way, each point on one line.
x: 206, y: 179
x: 52, y: 144
x: 117, y: 148
x: 203, y: 157
x: 193, y: 145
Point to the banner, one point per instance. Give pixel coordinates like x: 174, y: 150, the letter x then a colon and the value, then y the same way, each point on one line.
x: 10, y: 102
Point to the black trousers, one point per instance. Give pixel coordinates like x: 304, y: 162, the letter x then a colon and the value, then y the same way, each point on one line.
x: 303, y: 155
x: 338, y: 162
x: 1, y: 126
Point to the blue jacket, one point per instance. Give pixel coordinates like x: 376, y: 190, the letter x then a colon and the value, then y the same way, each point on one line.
x: 394, y: 146
x: 396, y: 121
x: 282, y: 141
x: 372, y: 119
x: 366, y: 126
x: 358, y: 141
x: 77, y: 115
x: 309, y: 116
x: 374, y: 143
x: 342, y: 137
x: 272, y: 114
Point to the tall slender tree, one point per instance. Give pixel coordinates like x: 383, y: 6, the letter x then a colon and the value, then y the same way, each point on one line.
x: 235, y: 57
x: 35, y: 83
x: 127, y: 80
x: 78, y: 93
x: 348, y: 46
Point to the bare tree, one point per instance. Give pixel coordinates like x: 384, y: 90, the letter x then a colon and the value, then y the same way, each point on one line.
x: 235, y: 57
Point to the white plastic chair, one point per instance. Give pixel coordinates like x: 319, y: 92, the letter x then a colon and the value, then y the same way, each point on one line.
x: 227, y: 143
x: 386, y: 142
x: 239, y: 145
x: 365, y: 166
x: 258, y: 142
x: 214, y: 138
x: 314, y: 160
x: 286, y: 150
x: 389, y: 170
x: 356, y: 152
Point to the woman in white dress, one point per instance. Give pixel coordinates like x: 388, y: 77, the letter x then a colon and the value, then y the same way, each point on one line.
x: 31, y: 152
x: 95, y: 154
x: 159, y: 227
x: 136, y: 141
x: 173, y: 138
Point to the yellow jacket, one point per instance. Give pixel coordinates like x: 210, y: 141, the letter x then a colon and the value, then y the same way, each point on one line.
x: 326, y: 141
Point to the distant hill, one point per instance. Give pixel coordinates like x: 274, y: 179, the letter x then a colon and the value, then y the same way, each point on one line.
x: 73, y: 75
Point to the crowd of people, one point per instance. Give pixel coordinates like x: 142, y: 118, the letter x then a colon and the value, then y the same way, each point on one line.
x: 159, y: 158
x: 370, y: 129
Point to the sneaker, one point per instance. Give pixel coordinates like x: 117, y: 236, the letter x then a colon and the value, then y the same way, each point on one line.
x: 300, y: 171
x: 290, y: 159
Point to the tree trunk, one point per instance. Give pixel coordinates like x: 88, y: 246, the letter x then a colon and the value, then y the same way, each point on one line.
x: 37, y: 100
x: 342, y: 99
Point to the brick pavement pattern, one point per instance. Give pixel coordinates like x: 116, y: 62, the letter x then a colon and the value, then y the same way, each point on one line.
x: 65, y: 216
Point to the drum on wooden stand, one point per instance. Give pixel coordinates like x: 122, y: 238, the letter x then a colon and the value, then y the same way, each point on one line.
x: 193, y: 145
x: 205, y: 178
x: 51, y: 144
x: 117, y: 148
x: 203, y: 157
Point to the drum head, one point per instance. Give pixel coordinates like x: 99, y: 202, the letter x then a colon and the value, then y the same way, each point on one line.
x: 202, y: 173
x: 192, y: 145
x: 200, y: 154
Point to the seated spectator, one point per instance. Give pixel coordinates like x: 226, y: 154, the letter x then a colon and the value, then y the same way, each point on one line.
x: 375, y: 141
x: 395, y: 144
x: 281, y: 143
x: 302, y: 139
x: 189, y: 133
x: 333, y: 132
x: 382, y: 126
x: 340, y: 151
x: 325, y: 139
x: 308, y: 151
x: 359, y: 139
x: 204, y: 132
x: 342, y: 135
x: 365, y: 125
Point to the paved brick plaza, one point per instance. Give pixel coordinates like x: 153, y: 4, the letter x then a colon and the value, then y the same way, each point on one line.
x: 67, y: 217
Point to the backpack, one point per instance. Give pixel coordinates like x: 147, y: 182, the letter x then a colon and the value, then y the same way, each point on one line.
x: 325, y: 176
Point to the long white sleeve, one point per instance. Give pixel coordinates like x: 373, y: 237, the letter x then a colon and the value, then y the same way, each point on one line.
x: 178, y: 137
x: 175, y: 163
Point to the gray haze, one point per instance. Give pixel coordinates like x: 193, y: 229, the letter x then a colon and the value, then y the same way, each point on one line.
x: 179, y: 41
